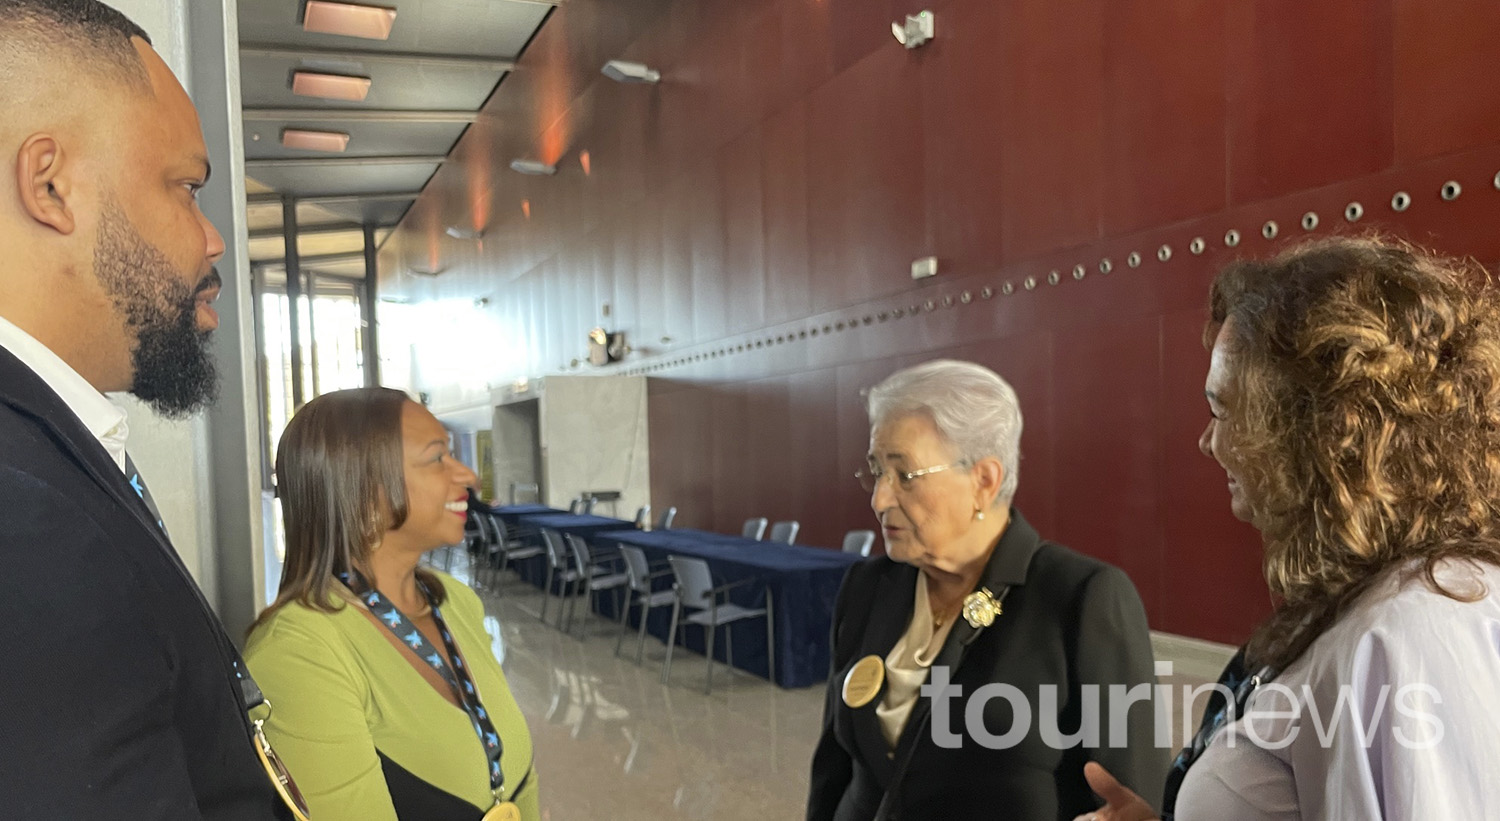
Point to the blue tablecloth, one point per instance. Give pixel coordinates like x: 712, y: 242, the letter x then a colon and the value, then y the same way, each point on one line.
x: 803, y: 583
x: 510, y: 512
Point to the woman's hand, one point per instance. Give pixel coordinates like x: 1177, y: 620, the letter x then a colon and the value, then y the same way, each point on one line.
x: 1120, y: 804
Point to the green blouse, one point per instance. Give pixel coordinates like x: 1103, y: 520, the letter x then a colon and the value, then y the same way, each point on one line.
x: 340, y: 691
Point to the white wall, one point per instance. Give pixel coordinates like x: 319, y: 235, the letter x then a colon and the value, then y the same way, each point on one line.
x: 173, y: 456
x: 205, y: 473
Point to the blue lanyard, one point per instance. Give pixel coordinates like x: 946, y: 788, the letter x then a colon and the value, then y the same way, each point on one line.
x: 457, y: 675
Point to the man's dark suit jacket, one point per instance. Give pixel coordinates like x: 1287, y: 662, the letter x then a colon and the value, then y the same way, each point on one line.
x: 1068, y: 620
x: 117, y: 691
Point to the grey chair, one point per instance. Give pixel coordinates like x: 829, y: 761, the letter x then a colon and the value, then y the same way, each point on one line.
x: 521, y: 492
x: 575, y: 507
x: 643, y: 518
x: 754, y: 529
x: 557, y: 569
x: 785, y: 532
x: 696, y: 592
x: 859, y: 541
x: 666, y: 519
x: 592, y: 575
x: 588, y: 506
x: 509, y: 547
x: 640, y: 595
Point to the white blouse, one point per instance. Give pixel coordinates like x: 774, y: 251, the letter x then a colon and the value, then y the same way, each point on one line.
x: 1391, y: 714
x: 907, y: 664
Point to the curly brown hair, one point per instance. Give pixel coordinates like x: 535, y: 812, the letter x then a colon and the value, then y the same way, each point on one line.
x: 1367, y: 418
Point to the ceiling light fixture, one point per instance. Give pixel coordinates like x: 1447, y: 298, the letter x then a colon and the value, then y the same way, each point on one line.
x: 460, y: 232
x: 308, y: 140
x: 330, y: 86
x: 622, y: 71
x: 533, y: 167
x: 349, y: 19
x: 431, y: 272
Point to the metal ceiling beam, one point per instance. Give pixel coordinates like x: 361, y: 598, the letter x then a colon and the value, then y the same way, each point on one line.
x: 336, y: 199
x: 355, y: 162
x: 313, y: 230
x: 360, y: 115
x: 316, y: 259
x: 401, y: 58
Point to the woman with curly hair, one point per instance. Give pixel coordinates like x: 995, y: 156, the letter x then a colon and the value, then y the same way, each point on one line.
x: 1354, y: 391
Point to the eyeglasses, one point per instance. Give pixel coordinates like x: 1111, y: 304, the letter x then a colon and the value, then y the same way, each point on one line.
x: 902, y: 479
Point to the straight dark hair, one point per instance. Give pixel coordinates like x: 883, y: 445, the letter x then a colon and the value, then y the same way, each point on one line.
x: 340, y: 476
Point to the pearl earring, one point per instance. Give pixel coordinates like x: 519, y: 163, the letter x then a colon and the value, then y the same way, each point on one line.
x: 979, y: 514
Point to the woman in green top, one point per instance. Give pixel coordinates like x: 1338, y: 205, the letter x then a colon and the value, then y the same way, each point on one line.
x: 371, y: 728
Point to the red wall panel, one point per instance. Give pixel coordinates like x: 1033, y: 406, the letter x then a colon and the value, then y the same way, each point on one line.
x: 760, y: 209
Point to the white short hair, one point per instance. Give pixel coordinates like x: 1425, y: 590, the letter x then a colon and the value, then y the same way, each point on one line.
x: 973, y: 408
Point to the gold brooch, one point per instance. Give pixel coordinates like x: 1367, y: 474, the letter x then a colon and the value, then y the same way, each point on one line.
x: 981, y: 608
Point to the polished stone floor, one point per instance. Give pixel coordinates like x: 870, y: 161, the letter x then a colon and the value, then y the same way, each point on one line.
x: 612, y: 742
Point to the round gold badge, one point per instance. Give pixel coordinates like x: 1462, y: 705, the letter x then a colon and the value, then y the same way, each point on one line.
x: 863, y: 682
x: 504, y: 811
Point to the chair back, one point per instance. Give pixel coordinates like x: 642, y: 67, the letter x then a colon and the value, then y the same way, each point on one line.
x: 524, y: 492
x: 579, y: 550
x: 643, y: 518
x: 695, y: 582
x: 754, y: 529
x: 859, y: 541
x: 785, y: 532
x: 667, y: 519
x: 557, y: 552
x: 637, y: 568
x: 489, y: 528
x: 588, y: 506
x: 575, y: 507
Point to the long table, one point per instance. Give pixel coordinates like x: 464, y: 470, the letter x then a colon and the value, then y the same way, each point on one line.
x: 803, y: 583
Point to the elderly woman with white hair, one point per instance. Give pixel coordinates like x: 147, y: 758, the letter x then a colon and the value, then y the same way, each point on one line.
x: 973, y: 664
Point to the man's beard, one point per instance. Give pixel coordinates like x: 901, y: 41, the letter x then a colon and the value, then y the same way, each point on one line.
x: 174, y: 370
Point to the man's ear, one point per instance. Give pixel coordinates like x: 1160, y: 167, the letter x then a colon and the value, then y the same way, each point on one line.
x: 44, y: 184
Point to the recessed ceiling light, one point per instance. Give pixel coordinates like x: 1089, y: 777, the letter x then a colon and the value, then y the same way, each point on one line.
x: 307, y: 140
x: 533, y: 167
x: 348, y: 19
x: 330, y: 86
x: 625, y: 72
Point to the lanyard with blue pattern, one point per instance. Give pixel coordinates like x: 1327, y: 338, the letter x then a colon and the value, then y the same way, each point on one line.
x: 457, y: 675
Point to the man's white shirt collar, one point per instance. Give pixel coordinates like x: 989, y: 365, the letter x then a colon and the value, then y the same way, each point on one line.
x: 103, y: 418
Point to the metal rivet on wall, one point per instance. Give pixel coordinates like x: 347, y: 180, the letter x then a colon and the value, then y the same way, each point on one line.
x: 1030, y: 283
x: 882, y: 316
x: 1400, y: 201
x: 1079, y: 271
x: 1007, y: 289
x: 898, y: 313
x: 986, y: 292
x: 1197, y: 245
x: 1309, y: 221
x: 780, y: 339
x: 1106, y: 265
x: 838, y: 326
x: 827, y: 329
x: 966, y: 297
x: 802, y: 334
x: 948, y: 301
x: 759, y: 344
x: 912, y: 310
x: 1134, y: 260
x: 1451, y: 190
x: 1054, y: 278
x: 930, y: 305
x: 1164, y: 253
x: 1231, y: 238
x: 1353, y: 211
x: 1270, y: 229
x: 869, y: 319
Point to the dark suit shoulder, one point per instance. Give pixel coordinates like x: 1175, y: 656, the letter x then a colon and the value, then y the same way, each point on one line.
x: 1060, y: 568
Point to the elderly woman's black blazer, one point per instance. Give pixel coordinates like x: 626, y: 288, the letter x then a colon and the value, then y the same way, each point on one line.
x: 1068, y: 620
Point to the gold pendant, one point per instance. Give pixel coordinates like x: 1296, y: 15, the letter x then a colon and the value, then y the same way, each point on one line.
x: 504, y: 811
x: 981, y: 608
x: 863, y: 681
